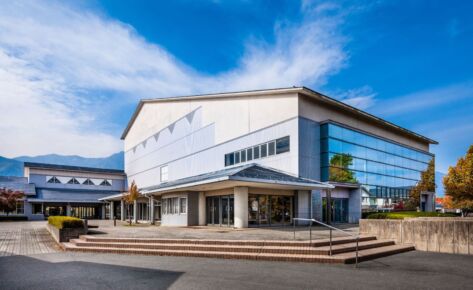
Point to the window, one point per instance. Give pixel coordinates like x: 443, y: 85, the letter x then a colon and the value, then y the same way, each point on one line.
x: 105, y: 182
x: 264, y: 150
x: 243, y: 155
x: 271, y: 148
x: 164, y: 173
x: 53, y: 179
x: 237, y: 157
x: 183, y: 205
x: 249, y: 154
x: 256, y: 152
x: 175, y: 205
x: 20, y: 207
x: 73, y: 181
x: 229, y: 159
x: 282, y: 145
x: 88, y: 182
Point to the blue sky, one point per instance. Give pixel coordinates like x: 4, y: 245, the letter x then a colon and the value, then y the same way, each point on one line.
x: 72, y: 72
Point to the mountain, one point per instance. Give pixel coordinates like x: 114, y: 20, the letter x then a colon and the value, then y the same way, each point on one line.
x: 440, y: 191
x: 14, y: 167
x: 10, y: 167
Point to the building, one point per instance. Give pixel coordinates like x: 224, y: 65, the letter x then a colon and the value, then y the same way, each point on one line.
x: 65, y: 190
x: 263, y: 157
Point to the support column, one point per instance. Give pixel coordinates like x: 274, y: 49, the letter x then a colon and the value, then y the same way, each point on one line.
x: 241, y: 206
x: 112, y: 210
x: 135, y: 211
x: 68, y: 210
x: 202, y: 209
x: 151, y: 210
x: 102, y: 216
x: 122, y: 210
x: 328, y: 206
x: 303, y: 206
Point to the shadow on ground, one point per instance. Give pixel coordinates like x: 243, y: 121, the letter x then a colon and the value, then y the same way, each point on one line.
x: 22, y: 272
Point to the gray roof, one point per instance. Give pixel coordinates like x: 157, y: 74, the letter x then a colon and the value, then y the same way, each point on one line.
x: 73, y: 196
x: 250, y: 172
x: 72, y: 168
x: 17, y: 183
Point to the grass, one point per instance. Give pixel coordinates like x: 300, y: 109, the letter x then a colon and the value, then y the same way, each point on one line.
x: 65, y: 222
x: 407, y: 214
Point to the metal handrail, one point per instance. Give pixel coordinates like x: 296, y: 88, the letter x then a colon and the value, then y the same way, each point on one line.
x: 357, y: 236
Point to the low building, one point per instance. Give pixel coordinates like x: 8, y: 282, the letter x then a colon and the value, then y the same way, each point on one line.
x: 65, y: 190
x: 260, y: 158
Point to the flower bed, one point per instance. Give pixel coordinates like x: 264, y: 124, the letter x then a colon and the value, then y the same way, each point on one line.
x: 64, y: 228
x: 407, y: 214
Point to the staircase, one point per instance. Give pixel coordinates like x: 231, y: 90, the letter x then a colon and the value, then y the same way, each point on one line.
x: 343, y: 249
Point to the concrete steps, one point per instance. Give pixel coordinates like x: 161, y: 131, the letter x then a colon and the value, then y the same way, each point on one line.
x: 343, y: 249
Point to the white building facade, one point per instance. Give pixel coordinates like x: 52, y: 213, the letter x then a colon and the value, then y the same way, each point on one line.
x: 267, y: 147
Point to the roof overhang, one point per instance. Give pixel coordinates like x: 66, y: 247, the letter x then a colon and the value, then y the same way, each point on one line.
x: 230, y: 182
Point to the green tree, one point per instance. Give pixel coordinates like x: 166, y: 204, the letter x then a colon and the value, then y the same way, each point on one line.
x: 425, y: 184
x: 130, y: 197
x: 8, y: 199
x: 339, y: 164
x: 458, y: 182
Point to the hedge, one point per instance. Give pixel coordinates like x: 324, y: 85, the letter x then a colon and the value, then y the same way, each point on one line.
x: 407, y: 214
x: 68, y: 222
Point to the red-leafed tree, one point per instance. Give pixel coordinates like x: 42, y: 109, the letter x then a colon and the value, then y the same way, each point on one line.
x: 8, y: 199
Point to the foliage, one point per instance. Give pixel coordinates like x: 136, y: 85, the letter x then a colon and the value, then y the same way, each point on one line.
x: 8, y: 199
x: 407, y: 214
x: 130, y: 197
x: 65, y: 222
x: 425, y: 184
x: 339, y: 164
x: 458, y: 182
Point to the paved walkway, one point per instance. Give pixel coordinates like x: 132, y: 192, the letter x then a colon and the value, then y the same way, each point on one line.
x: 25, y: 238
x: 106, y: 228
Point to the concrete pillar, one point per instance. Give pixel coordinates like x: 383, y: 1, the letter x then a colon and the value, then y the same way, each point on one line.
x: 303, y: 206
x: 241, y: 206
x: 135, y: 211
x: 102, y: 216
x: 122, y: 210
x: 68, y: 210
x: 151, y: 210
x: 328, y: 207
x: 202, y: 209
x: 112, y: 210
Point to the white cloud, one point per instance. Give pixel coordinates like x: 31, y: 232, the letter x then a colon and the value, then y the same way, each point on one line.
x: 361, y: 98
x: 56, y: 61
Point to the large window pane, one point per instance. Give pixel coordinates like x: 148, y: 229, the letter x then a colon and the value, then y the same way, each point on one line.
x: 249, y: 154
x: 282, y: 145
x: 264, y: 150
x: 271, y: 148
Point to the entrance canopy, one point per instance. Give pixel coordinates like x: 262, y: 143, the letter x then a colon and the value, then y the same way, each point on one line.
x: 251, y: 175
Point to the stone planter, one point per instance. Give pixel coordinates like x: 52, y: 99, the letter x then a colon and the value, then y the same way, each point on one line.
x: 445, y: 235
x: 64, y: 235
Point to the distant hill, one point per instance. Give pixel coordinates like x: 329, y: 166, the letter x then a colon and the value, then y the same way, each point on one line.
x: 14, y: 167
x: 10, y: 167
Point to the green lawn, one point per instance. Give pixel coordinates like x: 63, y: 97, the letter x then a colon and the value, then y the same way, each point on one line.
x: 407, y: 214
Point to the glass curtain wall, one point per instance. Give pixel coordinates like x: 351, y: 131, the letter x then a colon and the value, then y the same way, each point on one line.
x: 385, y: 169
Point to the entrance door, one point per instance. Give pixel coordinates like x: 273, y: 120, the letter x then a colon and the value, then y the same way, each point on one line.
x: 220, y: 210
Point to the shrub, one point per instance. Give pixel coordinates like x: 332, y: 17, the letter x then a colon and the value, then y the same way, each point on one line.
x: 407, y: 214
x: 65, y: 222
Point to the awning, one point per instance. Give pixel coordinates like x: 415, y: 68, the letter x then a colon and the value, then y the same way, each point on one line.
x: 251, y: 175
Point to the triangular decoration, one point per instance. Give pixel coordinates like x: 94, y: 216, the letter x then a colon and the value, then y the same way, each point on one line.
x: 190, y: 116
x: 144, y: 143
x: 156, y: 137
x: 171, y: 127
x: 134, y: 149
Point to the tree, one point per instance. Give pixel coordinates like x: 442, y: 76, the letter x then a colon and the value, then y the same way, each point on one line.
x: 458, y: 182
x: 339, y: 164
x: 425, y: 184
x: 8, y: 199
x: 130, y: 197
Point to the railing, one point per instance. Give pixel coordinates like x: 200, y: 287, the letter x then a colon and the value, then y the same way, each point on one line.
x: 357, y: 236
